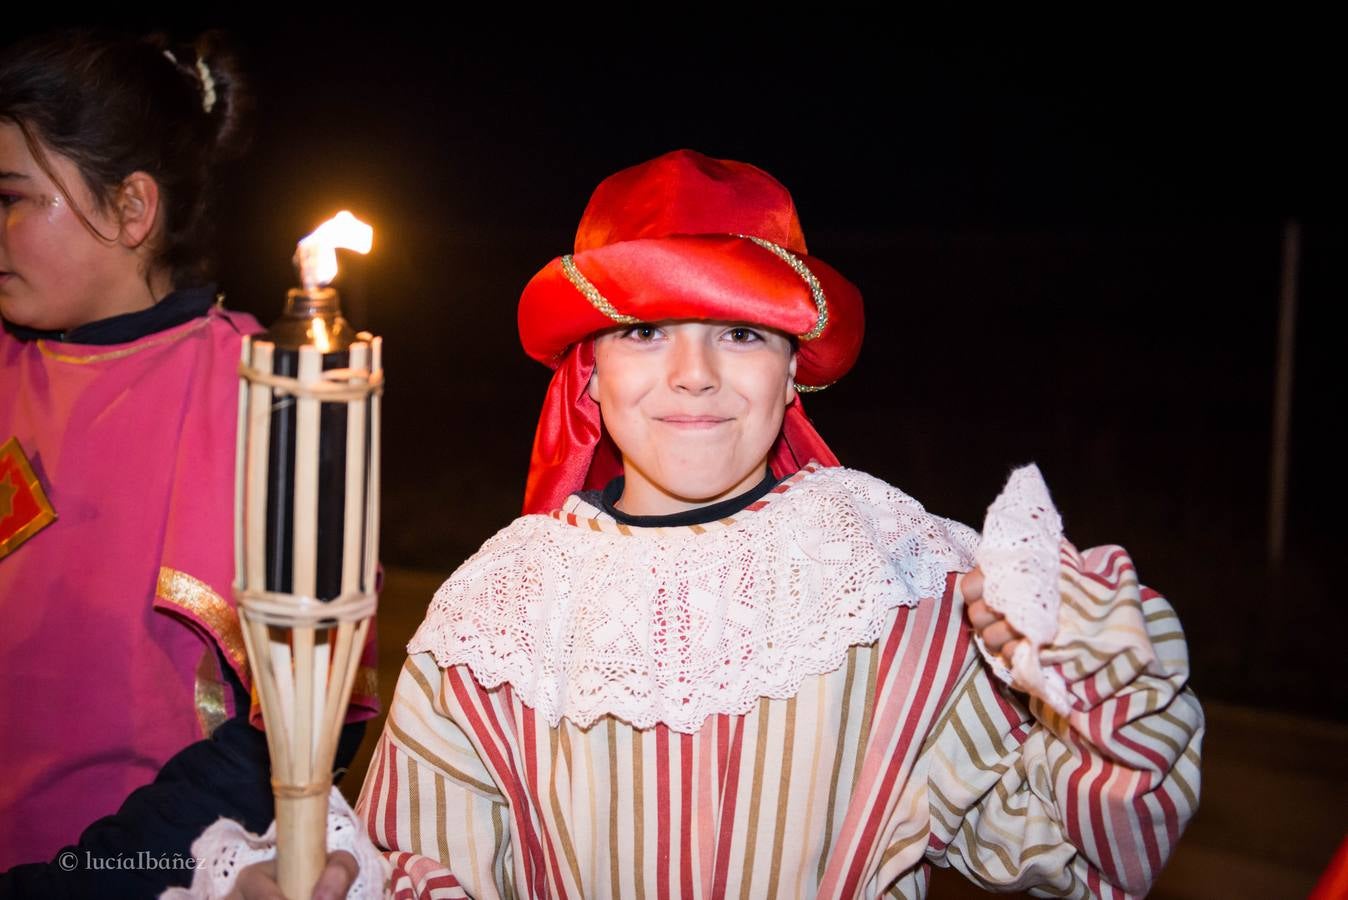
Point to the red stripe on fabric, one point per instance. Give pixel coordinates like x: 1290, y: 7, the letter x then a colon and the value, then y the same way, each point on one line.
x: 1149, y: 845
x: 729, y: 791
x: 1095, y: 718
x: 1157, y: 760
x: 1172, y: 825
x: 1093, y: 880
x: 1010, y: 714
x: 1071, y: 821
x: 1103, y: 845
x: 934, y: 648
x: 686, y: 831
x: 1110, y: 578
x: 662, y: 808
x: 502, y: 762
x: 391, y: 804
x: 529, y: 737
x: 446, y: 880
x: 891, y: 647
x: 722, y: 752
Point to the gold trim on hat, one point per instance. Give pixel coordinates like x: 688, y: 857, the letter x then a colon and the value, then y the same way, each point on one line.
x: 601, y: 303
x: 591, y: 293
x: 816, y: 289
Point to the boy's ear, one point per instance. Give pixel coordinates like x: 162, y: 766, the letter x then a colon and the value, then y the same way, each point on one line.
x: 137, y: 205
x: 592, y: 387
x: 791, y: 380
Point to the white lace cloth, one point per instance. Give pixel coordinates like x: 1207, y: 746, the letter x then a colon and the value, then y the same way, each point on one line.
x: 586, y: 618
x: 1019, y: 558
x: 225, y: 848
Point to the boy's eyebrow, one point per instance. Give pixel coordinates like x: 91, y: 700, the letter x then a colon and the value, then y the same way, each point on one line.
x: 10, y: 175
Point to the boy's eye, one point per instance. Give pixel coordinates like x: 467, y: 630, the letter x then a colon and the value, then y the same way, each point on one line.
x: 742, y: 335
x: 642, y: 333
x: 7, y: 199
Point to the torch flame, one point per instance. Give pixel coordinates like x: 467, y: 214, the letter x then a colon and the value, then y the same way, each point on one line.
x: 316, y: 255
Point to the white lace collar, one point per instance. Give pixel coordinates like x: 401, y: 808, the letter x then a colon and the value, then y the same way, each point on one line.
x: 586, y: 617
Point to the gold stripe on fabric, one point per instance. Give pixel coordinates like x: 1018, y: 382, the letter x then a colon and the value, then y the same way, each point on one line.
x: 819, y: 714
x: 755, y: 797
x: 414, y: 804
x: 587, y: 748
x: 441, y: 825
x: 613, y: 889
x: 990, y: 730
x: 118, y: 354
x: 904, y: 843
x: 1190, y: 796
x: 453, y: 772
x: 838, y: 760
x: 210, y: 693
x: 555, y: 737
x: 591, y: 293
x: 638, y: 814
x: 504, y: 874
x: 196, y: 597
x: 973, y: 750
x: 783, y: 796
x: 469, y: 832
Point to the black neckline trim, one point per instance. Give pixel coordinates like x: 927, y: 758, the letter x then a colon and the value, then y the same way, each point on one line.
x: 175, y: 309
x: 701, y: 515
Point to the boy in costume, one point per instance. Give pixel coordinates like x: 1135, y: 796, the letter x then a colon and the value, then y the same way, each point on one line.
x: 710, y: 662
x: 772, y: 689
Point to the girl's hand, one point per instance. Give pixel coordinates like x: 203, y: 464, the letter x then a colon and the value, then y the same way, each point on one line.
x: 997, y: 634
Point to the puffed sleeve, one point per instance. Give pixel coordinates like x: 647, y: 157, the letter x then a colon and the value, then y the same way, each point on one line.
x: 1088, y: 804
x: 429, y: 801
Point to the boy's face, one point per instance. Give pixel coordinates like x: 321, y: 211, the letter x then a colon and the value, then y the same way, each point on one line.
x: 694, y: 407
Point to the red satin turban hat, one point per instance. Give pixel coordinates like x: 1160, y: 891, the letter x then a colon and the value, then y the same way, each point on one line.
x: 683, y: 236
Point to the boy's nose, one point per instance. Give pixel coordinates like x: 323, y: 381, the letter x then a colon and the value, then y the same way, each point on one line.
x: 692, y: 369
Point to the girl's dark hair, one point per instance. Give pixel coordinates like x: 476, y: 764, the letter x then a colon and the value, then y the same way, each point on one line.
x: 114, y: 105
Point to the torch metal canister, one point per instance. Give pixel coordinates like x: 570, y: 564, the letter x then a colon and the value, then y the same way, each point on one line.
x: 307, y: 515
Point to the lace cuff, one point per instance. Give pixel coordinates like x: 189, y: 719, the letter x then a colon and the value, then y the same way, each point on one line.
x: 225, y: 849
x: 1019, y: 558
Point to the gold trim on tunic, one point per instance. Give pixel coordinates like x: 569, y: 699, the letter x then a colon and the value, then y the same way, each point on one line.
x: 196, y: 597
x: 117, y: 354
x: 210, y: 693
x: 366, y: 683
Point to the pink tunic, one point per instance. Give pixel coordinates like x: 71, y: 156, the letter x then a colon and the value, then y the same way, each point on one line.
x: 112, y: 614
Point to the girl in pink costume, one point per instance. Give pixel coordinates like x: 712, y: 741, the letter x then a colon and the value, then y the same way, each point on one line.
x: 126, y: 692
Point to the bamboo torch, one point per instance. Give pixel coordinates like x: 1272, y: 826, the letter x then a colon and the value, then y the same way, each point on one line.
x: 307, y: 523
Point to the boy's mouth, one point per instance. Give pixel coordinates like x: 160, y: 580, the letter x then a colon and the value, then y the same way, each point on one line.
x: 693, y: 421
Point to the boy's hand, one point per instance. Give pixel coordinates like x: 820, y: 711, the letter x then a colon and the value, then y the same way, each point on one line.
x: 998, y: 635
x: 258, y: 881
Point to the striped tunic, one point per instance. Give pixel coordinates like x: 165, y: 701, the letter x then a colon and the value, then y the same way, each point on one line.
x: 909, y: 754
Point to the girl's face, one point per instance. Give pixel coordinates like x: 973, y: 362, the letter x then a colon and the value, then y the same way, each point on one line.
x: 695, y: 408
x: 54, y: 274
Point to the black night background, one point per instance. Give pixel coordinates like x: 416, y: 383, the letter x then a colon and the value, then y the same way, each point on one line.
x: 1071, y: 252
